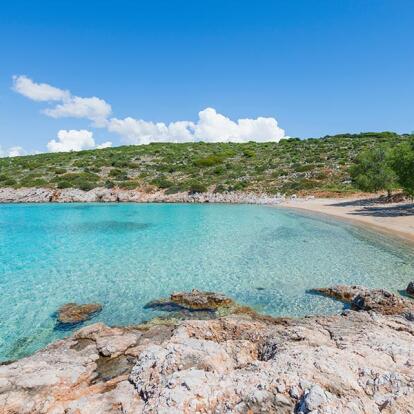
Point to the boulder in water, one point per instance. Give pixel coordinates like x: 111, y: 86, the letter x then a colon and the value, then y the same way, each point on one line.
x: 199, y: 300
x: 362, y: 298
x: 73, y: 313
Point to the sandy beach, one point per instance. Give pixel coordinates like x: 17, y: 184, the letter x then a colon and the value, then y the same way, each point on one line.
x: 396, y: 219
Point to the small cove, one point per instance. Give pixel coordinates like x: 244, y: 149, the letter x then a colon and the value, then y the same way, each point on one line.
x: 125, y: 255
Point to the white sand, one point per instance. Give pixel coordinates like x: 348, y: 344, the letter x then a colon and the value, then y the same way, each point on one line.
x: 396, y: 218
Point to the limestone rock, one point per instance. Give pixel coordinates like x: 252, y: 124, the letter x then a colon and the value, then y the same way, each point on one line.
x: 358, y: 362
x: 377, y: 300
x: 72, y: 195
x: 74, y: 313
x: 199, y: 300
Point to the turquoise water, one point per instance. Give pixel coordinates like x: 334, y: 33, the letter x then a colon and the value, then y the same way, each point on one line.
x: 124, y: 255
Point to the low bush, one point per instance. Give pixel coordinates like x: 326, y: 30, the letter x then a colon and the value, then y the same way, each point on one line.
x: 196, y: 187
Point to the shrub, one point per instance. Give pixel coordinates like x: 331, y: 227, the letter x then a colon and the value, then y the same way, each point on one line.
x: 220, y: 188
x: 64, y: 184
x: 196, y: 187
x: 59, y: 171
x: 84, y: 181
x: 247, y: 152
x: 208, y: 161
x: 174, y: 189
x: 161, y: 182
x: 33, y: 182
x: 403, y: 165
x: 118, y: 174
x: 86, y: 185
x: 129, y: 185
x: 372, y: 171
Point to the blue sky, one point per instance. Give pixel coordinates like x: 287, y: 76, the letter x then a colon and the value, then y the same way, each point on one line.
x: 317, y: 67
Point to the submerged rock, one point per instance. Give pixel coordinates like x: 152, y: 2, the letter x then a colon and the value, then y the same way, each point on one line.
x: 72, y: 313
x: 356, y: 363
x: 362, y: 298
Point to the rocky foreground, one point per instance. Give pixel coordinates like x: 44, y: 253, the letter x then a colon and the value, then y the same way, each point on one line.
x: 210, y: 355
x: 113, y: 195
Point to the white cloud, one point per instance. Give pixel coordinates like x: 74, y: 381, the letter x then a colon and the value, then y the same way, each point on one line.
x: 93, y: 108
x: 16, y: 151
x: 12, y: 152
x: 137, y: 131
x: 214, y: 127
x: 74, y: 140
x: 38, y: 91
x: 210, y: 127
x: 106, y: 144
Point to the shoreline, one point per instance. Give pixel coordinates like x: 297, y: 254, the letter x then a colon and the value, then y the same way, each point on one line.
x: 116, y: 195
x: 393, y: 219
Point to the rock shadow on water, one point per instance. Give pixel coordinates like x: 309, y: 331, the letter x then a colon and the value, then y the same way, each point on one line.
x: 177, y: 312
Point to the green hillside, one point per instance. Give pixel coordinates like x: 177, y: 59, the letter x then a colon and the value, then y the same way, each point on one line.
x: 290, y: 166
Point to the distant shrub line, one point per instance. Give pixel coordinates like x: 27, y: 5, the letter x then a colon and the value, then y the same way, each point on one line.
x: 290, y: 166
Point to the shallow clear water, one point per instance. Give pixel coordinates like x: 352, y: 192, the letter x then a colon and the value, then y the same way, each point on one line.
x: 124, y: 255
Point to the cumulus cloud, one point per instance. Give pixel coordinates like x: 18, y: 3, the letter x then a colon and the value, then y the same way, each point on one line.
x: 74, y: 140
x: 12, y: 152
x: 214, y: 127
x: 210, y: 127
x: 138, y: 131
x: 93, y: 108
x: 38, y: 91
x: 106, y: 144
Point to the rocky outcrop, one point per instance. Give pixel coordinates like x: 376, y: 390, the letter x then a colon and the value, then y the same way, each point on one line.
x: 71, y: 195
x: 72, y: 313
x: 357, y: 362
x: 377, y: 300
x: 194, y: 300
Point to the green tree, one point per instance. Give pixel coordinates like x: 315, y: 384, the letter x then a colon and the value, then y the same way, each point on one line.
x: 373, y: 171
x: 403, y: 165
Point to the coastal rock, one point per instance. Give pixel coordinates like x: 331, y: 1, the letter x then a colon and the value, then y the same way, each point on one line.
x: 99, y: 194
x: 199, y: 300
x: 356, y: 363
x: 26, y: 195
x: 74, y: 313
x: 410, y: 289
x: 377, y: 300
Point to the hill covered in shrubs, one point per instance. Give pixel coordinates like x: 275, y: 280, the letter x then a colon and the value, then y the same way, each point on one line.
x: 290, y: 166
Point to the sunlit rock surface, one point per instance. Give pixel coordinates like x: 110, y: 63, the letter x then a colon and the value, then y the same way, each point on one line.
x: 72, y: 313
x: 357, y: 362
x: 72, y: 195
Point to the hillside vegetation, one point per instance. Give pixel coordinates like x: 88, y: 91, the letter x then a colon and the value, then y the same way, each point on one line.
x: 290, y: 166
